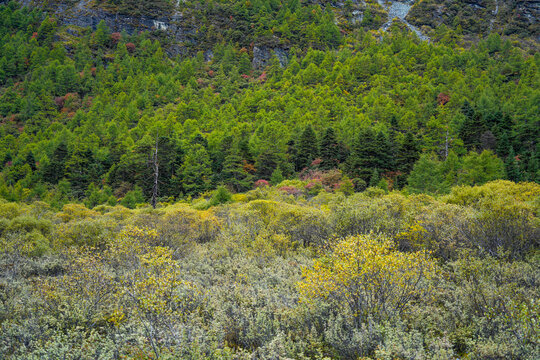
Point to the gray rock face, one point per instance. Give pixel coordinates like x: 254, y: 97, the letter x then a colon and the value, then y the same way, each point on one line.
x: 263, y: 54
x: 400, y: 9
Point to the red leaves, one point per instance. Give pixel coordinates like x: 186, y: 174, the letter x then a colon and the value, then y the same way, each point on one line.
x: 443, y: 99
x: 130, y: 47
x: 261, y: 183
x: 116, y: 37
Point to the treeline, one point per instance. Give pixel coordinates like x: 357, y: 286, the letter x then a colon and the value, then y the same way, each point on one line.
x: 81, y: 111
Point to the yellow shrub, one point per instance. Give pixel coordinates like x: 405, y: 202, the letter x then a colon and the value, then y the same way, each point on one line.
x: 75, y: 212
x: 10, y: 210
x: 367, y: 275
x: 182, y: 225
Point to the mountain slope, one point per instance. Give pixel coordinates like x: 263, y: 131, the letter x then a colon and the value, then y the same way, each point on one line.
x: 81, y: 109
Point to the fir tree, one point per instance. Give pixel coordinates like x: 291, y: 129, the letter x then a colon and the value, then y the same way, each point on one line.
x: 385, y: 156
x: 277, y: 177
x: 512, y: 169
x: 374, y: 179
x: 266, y: 163
x: 234, y: 175
x: 407, y: 155
x: 56, y: 168
x: 426, y: 176
x: 195, y: 171
x: 364, y: 156
x: 472, y: 129
x: 307, y: 149
x: 330, y: 150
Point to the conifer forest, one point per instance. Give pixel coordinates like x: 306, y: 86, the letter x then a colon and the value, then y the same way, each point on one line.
x: 269, y: 179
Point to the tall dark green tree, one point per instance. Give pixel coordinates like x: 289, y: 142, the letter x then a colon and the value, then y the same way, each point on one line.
x: 385, y: 154
x: 233, y: 174
x: 512, y: 168
x: 330, y: 150
x: 365, y: 156
x: 196, y: 171
x: 307, y: 149
x: 55, y: 170
x: 472, y: 128
x: 266, y: 163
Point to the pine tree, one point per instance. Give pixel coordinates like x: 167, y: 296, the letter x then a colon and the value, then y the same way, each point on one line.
x: 234, y: 175
x: 330, y: 150
x: 196, y: 171
x: 277, y: 177
x: 503, y: 146
x: 307, y: 149
x: 533, y: 169
x: 426, y: 176
x: 80, y: 171
x: 266, y: 163
x: 374, y: 179
x: 407, y: 155
x: 56, y: 168
x: 473, y: 127
x: 364, y: 157
x: 450, y: 169
x: 385, y: 157
x: 512, y: 169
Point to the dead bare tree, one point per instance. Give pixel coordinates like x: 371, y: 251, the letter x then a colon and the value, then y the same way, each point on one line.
x: 155, y: 167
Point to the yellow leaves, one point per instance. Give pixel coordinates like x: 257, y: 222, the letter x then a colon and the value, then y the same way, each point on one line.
x: 369, y: 274
x: 75, y: 212
x: 182, y: 225
x: 499, y: 192
x: 414, y: 235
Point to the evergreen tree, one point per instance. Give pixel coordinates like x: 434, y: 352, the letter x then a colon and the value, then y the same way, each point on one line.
x: 266, y: 163
x: 450, y: 169
x: 277, y: 177
x: 472, y: 128
x: 503, y: 146
x: 406, y: 157
x: 196, y: 171
x: 330, y: 150
x: 512, y: 169
x: 80, y: 171
x: 478, y: 169
x: 385, y: 156
x: 234, y: 175
x: 426, y: 176
x: 57, y: 162
x: 364, y: 157
x: 307, y: 149
x: 374, y: 179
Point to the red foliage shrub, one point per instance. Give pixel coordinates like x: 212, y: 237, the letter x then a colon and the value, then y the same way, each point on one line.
x: 59, y: 101
x: 443, y: 99
x: 116, y: 37
x: 261, y: 183
x: 316, y: 162
x: 130, y: 47
x: 291, y: 190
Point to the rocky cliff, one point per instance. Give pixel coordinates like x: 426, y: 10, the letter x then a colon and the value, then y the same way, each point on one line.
x: 186, y: 27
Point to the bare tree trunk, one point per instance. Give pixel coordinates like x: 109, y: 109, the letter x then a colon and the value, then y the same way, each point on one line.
x: 155, y: 166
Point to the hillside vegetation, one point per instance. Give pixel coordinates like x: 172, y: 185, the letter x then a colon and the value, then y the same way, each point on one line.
x: 81, y: 111
x: 269, y: 275
x: 269, y: 179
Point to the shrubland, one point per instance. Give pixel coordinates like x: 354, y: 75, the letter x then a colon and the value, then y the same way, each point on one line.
x: 275, y: 273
